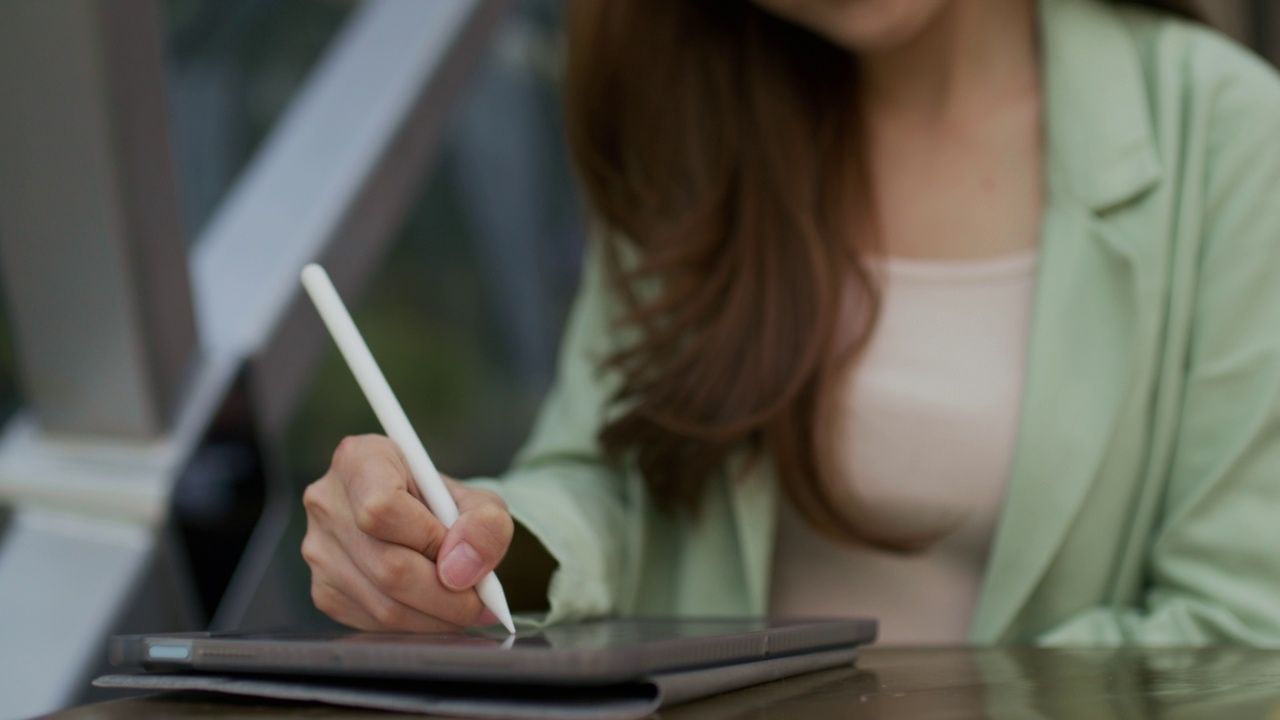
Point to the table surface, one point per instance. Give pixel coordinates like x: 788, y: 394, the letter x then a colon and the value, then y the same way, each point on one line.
x: 1220, y: 683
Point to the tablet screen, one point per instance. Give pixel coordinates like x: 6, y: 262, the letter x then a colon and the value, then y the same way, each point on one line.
x: 584, y: 636
x: 594, y: 651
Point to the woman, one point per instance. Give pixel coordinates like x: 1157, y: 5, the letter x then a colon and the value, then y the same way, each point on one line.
x: 959, y: 313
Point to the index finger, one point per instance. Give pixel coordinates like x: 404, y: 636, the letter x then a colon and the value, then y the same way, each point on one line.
x: 383, y: 507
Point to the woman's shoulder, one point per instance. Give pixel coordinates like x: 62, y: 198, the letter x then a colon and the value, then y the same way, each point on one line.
x: 1199, y: 71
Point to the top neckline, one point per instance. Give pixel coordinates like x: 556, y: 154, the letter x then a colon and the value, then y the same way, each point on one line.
x: 1009, y: 266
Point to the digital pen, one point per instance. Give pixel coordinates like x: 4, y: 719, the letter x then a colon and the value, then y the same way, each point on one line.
x: 396, y: 424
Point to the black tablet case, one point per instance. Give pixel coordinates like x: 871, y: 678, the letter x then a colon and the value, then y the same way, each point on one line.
x: 490, y: 701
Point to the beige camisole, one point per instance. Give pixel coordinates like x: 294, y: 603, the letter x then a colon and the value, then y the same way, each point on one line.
x: 928, y: 428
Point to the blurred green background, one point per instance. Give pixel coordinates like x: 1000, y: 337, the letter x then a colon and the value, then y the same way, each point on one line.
x: 451, y: 340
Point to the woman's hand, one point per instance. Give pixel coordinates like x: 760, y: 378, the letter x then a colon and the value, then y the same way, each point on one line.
x: 381, y: 561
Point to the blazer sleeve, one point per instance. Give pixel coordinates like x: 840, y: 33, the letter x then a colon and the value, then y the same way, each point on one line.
x: 1214, y: 562
x: 560, y: 487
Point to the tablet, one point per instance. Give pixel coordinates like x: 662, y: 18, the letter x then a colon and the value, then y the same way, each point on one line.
x: 597, y: 652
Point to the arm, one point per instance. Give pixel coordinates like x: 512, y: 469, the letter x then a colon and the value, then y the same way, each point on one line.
x: 1214, y: 563
x: 560, y: 487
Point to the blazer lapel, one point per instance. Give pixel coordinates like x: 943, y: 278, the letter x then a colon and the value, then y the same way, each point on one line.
x: 1090, y: 300
x: 1081, y: 356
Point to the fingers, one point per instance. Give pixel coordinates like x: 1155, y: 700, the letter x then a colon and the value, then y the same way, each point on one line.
x: 362, y: 581
x: 371, y: 544
x: 478, y: 540
x: 411, y: 580
x: 383, y: 498
x: 340, y: 591
x: 333, y: 602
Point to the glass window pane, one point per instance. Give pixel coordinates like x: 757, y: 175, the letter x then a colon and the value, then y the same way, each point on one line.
x: 234, y: 65
x: 465, y: 315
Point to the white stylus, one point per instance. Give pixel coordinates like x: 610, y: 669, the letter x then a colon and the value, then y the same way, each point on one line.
x: 394, y: 422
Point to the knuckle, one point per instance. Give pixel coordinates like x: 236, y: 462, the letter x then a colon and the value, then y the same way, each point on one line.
x: 505, y: 527
x: 435, y: 535
x: 390, y: 570
x: 376, y: 513
x: 344, y: 451
x: 388, y: 614
x: 492, y: 498
x: 325, y: 599
x: 313, y: 496
x: 496, y: 521
x: 310, y: 552
x: 490, y: 501
x: 374, y: 476
x: 353, y: 449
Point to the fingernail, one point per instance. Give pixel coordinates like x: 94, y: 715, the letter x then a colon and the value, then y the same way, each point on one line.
x: 461, y: 567
x: 488, y: 618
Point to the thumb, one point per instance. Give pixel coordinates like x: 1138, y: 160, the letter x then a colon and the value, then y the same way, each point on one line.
x: 478, y: 540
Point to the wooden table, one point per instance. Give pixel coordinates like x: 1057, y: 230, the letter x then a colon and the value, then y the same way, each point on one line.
x: 1216, y: 683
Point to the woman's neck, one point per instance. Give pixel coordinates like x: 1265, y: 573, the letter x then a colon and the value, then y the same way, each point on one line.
x: 976, y: 53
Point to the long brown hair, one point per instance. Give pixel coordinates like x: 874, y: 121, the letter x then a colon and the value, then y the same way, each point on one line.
x: 719, y: 148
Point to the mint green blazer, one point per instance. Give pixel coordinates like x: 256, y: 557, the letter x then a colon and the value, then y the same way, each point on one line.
x: 1144, y: 500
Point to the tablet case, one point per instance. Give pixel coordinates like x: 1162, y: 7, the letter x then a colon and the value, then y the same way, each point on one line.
x: 490, y: 701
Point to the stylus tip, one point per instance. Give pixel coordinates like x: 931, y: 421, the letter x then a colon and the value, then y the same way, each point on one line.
x: 490, y: 591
